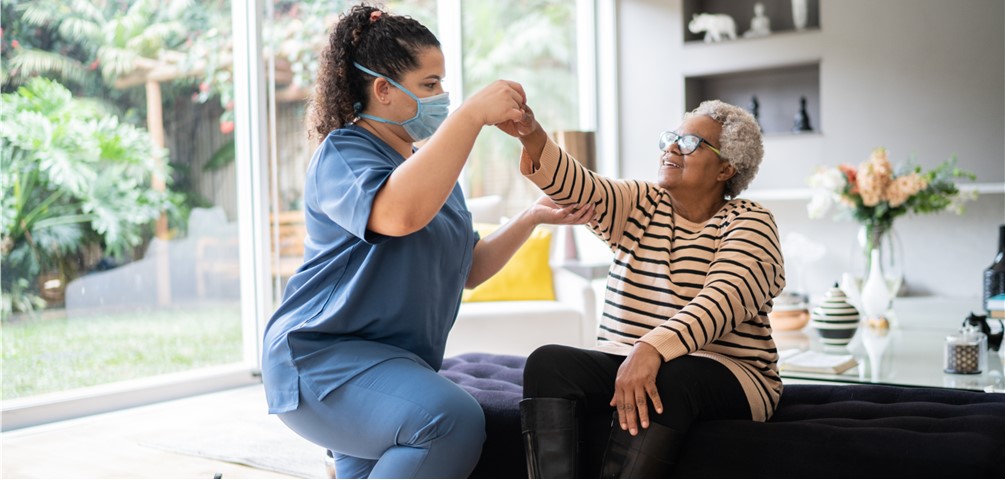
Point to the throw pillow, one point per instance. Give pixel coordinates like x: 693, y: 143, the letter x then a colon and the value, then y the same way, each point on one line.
x: 527, y: 275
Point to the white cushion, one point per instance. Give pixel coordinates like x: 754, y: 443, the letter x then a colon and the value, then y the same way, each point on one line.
x: 488, y: 209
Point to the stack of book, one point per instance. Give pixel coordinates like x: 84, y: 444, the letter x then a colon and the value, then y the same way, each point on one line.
x: 996, y: 306
x: 810, y: 361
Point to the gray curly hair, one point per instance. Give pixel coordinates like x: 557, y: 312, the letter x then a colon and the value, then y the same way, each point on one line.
x: 740, y: 142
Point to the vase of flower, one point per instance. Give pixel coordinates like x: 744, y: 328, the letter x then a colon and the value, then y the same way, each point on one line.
x: 874, y: 194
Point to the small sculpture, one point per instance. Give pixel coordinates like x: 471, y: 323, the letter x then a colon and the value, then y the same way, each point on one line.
x: 715, y: 25
x: 760, y: 25
x: 755, y: 109
x: 801, y: 121
x: 800, y: 14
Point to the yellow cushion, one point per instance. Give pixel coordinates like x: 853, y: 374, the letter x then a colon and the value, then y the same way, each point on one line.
x: 527, y: 275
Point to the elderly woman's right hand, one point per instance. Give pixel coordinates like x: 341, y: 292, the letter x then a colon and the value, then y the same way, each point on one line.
x: 499, y: 102
x: 523, y: 127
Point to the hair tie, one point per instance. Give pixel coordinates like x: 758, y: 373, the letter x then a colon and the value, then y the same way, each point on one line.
x: 374, y: 15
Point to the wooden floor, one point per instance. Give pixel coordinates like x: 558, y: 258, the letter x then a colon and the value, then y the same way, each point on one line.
x: 109, y: 445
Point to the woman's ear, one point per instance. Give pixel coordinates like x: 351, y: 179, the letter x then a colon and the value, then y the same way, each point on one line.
x: 379, y: 91
x: 726, y: 171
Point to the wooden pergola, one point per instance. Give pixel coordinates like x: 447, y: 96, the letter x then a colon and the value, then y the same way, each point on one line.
x: 151, y: 73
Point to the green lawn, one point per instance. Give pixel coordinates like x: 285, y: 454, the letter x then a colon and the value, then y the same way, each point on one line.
x: 42, y: 355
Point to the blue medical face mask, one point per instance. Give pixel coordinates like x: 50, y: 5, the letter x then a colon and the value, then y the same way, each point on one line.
x: 430, y: 112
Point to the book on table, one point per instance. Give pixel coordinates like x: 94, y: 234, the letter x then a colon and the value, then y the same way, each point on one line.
x: 996, y: 302
x: 810, y: 361
x: 995, y: 306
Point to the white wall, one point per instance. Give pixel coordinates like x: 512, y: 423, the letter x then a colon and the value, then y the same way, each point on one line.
x: 920, y: 77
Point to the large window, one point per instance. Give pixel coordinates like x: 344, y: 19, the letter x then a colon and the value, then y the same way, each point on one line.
x: 119, y: 240
x: 125, y: 166
x: 533, y: 42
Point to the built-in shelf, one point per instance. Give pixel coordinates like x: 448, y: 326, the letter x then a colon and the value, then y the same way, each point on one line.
x: 778, y: 92
x: 779, y: 13
x: 778, y: 69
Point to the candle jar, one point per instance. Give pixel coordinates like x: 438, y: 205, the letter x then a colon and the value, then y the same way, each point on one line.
x: 966, y: 352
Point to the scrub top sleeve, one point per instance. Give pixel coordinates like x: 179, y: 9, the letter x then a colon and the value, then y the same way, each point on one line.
x: 346, y: 189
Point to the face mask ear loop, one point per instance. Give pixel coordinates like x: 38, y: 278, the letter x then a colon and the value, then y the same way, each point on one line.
x: 418, y: 103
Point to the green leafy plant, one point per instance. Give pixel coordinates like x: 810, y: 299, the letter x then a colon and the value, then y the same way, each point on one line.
x: 73, y: 176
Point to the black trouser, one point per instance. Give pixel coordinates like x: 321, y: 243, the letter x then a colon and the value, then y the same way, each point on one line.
x: 691, y: 388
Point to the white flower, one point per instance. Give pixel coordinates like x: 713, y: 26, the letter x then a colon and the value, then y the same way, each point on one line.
x: 830, y: 179
x: 820, y: 204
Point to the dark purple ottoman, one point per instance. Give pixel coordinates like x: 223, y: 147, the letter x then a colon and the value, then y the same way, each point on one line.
x: 818, y: 431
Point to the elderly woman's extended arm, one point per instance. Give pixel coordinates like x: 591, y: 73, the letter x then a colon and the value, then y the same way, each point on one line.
x: 566, y: 181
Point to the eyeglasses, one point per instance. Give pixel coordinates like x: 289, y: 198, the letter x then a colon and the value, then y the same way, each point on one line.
x: 686, y: 143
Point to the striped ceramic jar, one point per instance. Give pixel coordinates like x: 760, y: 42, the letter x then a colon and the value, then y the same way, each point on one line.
x: 835, y: 319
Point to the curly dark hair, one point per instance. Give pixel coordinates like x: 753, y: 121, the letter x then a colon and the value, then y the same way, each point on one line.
x: 386, y: 44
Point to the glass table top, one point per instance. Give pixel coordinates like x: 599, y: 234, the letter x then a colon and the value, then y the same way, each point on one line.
x: 909, y: 353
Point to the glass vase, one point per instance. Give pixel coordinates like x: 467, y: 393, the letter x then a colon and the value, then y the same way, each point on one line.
x: 882, y: 236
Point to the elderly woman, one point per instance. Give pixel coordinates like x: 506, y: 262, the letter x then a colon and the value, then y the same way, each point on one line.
x: 684, y: 334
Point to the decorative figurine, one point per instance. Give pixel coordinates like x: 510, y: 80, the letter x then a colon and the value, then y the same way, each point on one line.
x: 755, y: 109
x: 801, y: 122
x: 835, y: 319
x: 799, y: 14
x: 760, y: 25
x: 715, y: 26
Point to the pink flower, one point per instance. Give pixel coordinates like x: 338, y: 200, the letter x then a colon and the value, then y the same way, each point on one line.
x: 850, y: 174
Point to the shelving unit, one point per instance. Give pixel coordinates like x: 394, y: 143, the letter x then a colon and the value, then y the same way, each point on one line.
x: 778, y: 69
x: 742, y: 11
x: 777, y: 90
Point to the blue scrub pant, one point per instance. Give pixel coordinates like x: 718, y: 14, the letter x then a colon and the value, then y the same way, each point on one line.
x: 398, y: 419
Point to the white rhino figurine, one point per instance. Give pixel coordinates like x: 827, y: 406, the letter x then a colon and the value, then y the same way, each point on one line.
x: 715, y: 25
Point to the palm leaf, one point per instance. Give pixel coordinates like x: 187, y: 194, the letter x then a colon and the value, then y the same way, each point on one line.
x: 116, y: 62
x: 31, y: 62
x: 89, y: 10
x: 80, y: 30
x: 43, y: 13
x: 154, y: 38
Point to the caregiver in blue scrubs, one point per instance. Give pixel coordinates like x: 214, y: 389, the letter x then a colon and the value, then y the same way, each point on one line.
x: 352, y: 352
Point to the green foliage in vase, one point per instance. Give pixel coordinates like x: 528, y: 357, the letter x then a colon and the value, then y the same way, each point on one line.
x: 73, y: 176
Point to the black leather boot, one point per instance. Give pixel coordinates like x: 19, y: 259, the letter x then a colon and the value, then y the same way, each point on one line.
x: 550, y: 429
x: 650, y: 454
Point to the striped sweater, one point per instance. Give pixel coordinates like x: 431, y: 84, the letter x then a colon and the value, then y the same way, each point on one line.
x: 685, y: 288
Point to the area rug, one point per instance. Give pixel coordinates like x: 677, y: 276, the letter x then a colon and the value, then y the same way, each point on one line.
x: 245, y: 435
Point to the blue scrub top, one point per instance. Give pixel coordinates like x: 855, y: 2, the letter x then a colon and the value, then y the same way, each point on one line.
x: 361, y: 298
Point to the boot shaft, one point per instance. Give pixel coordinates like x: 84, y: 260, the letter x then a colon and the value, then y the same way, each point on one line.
x: 650, y: 454
x: 550, y: 428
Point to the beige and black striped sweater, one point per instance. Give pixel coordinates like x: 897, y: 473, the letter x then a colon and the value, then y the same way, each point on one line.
x: 685, y: 288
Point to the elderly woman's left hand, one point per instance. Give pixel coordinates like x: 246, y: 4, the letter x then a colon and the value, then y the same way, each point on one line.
x: 545, y: 210
x: 636, y: 380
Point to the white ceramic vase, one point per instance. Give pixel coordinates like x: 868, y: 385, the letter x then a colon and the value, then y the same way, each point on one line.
x: 875, y: 295
x: 799, y: 14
